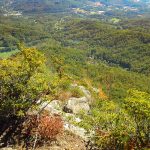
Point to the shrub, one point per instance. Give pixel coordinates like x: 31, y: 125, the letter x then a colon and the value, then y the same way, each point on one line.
x: 76, y: 92
x: 137, y: 105
x: 49, y: 127
x: 64, y: 95
x: 120, y: 128
x: 64, y: 84
x: 44, y: 128
x: 24, y: 80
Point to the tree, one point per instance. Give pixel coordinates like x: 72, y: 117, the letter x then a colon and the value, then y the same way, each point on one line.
x: 138, y: 106
x: 24, y: 80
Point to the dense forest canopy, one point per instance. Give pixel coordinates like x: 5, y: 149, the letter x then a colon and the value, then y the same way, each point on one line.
x: 126, y: 44
x: 90, y: 45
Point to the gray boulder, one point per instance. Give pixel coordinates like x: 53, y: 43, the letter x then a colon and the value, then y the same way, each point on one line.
x: 81, y: 132
x: 54, y: 107
x: 76, y: 105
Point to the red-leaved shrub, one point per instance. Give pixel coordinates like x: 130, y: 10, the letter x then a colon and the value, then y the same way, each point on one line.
x: 49, y: 127
x: 44, y: 127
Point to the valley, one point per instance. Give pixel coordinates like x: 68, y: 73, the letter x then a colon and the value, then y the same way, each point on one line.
x: 110, y: 8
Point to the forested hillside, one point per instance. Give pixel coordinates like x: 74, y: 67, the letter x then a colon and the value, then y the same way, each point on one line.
x: 125, y: 45
x: 128, y: 48
x: 89, y: 43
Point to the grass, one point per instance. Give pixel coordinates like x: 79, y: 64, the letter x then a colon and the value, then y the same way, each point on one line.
x: 8, y: 54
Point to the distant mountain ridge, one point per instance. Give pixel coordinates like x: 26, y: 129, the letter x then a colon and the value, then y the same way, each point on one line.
x: 54, y: 6
x: 57, y: 6
x: 42, y: 5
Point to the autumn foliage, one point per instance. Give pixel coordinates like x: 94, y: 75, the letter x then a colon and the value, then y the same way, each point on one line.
x: 102, y: 95
x: 49, y: 127
x: 46, y: 127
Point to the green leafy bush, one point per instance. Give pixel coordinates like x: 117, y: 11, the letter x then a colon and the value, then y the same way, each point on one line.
x: 24, y: 80
x: 137, y: 105
x: 76, y: 92
x: 119, y: 127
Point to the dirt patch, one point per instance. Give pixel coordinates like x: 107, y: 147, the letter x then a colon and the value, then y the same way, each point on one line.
x: 66, y: 141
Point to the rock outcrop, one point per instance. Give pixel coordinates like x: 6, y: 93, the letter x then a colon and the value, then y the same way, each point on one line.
x: 70, y: 109
x: 86, y: 92
x: 54, y: 107
x: 76, y: 105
